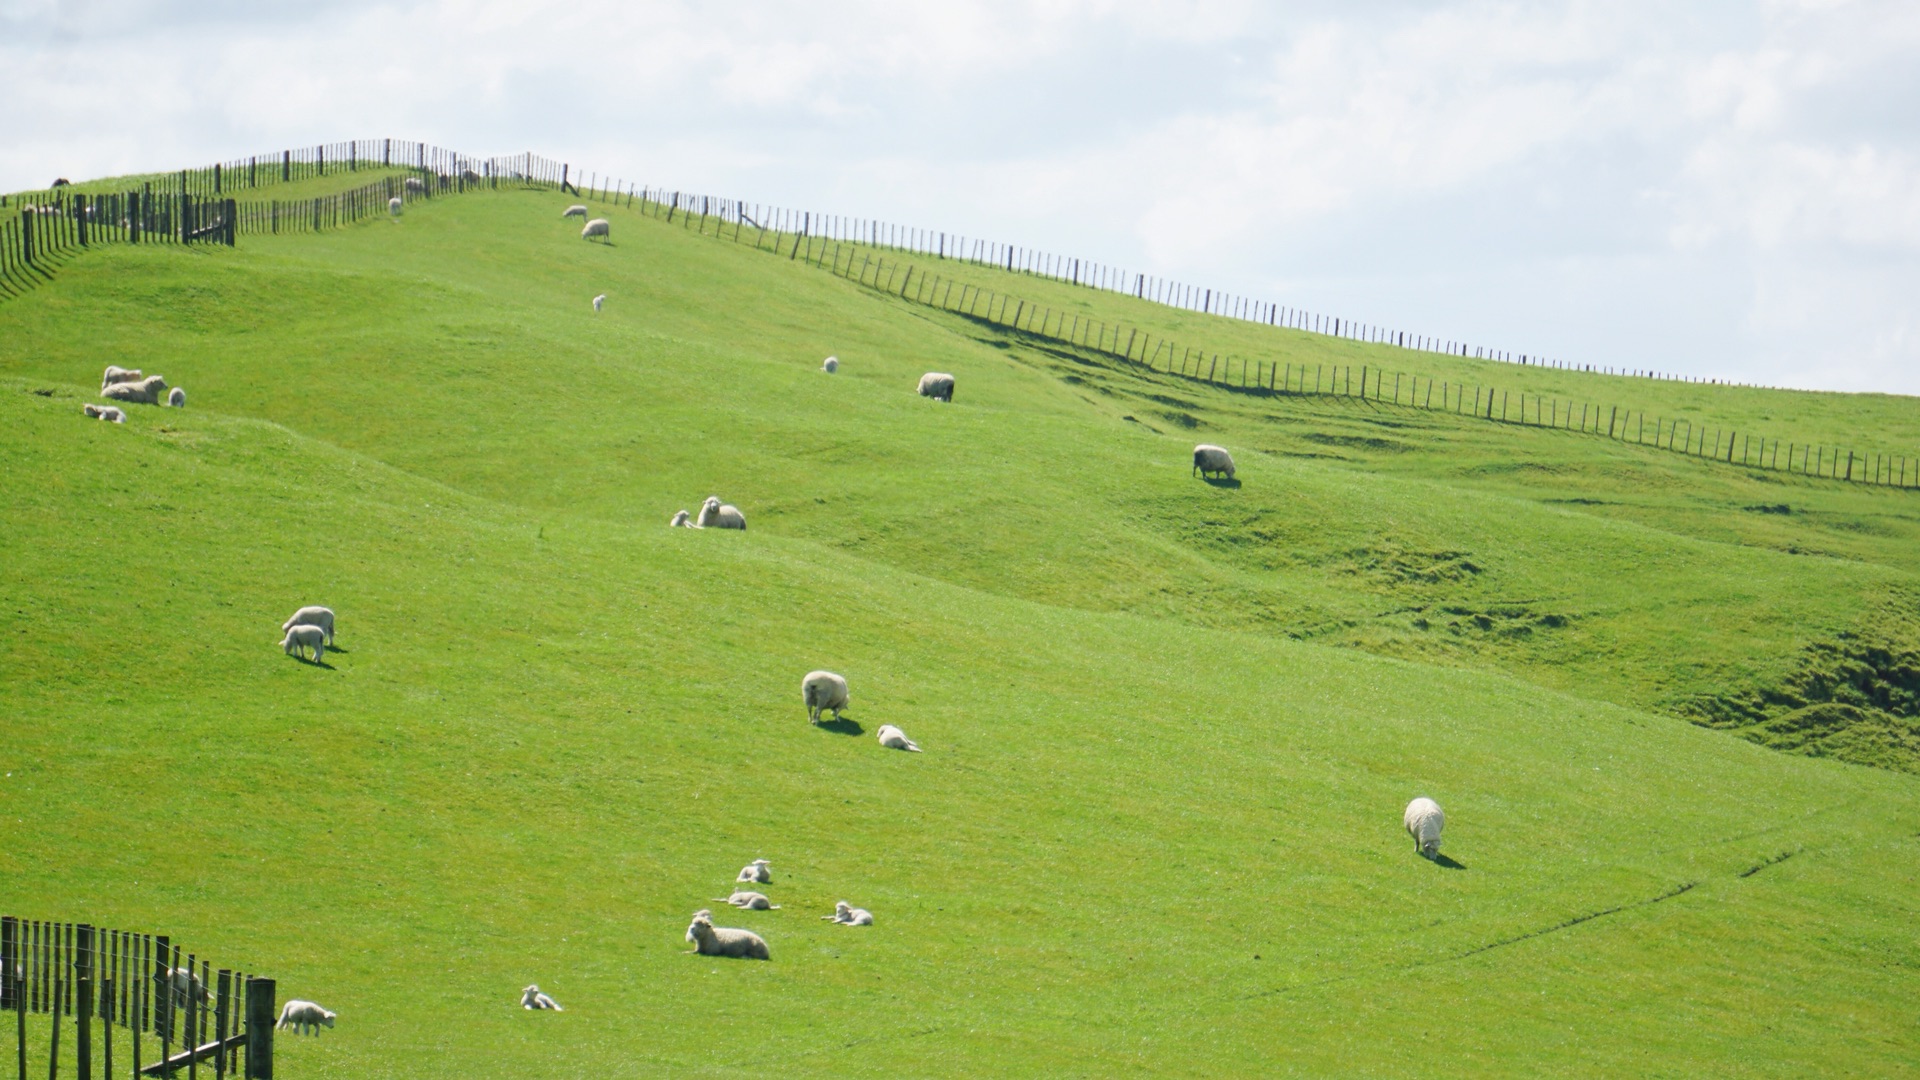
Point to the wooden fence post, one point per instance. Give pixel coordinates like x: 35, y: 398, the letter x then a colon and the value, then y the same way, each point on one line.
x: 260, y: 1010
x: 83, y: 1001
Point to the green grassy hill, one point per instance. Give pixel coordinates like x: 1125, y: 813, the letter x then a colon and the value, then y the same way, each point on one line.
x: 1170, y: 725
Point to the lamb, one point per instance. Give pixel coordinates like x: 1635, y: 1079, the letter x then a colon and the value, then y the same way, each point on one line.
x: 177, y: 398
x: 710, y: 940
x: 754, y: 901
x: 894, y: 739
x: 304, y: 1017
x: 823, y: 691
x: 703, y: 913
x: 144, y: 392
x: 682, y: 520
x: 597, y: 227
x: 759, y: 871
x: 937, y: 385
x: 1209, y: 459
x: 111, y: 414
x: 576, y: 210
x: 414, y: 183
x: 830, y: 365
x: 312, y: 615
x: 301, y: 638
x: 393, y: 206
x: 184, y: 983
x: 119, y: 375
x: 715, y: 514
x: 847, y: 915
x: 532, y: 998
x: 598, y: 300
x: 1424, y: 822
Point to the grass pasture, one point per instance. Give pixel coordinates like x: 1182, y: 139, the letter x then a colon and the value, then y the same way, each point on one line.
x: 1170, y: 725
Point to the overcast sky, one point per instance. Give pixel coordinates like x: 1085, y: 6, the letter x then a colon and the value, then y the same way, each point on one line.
x: 1732, y: 191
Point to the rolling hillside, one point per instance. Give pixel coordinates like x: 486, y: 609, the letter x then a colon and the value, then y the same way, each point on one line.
x: 1169, y: 724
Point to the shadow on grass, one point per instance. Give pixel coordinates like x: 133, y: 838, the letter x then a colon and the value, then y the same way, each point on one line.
x: 322, y: 664
x: 1221, y: 482
x: 338, y: 649
x: 842, y: 726
x: 1442, y: 860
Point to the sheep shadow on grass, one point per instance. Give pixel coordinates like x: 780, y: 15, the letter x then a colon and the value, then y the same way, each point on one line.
x: 1221, y: 481
x: 1448, y: 863
x: 322, y: 664
x: 842, y: 726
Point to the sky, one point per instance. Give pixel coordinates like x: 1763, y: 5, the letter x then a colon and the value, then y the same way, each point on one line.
x: 1723, y: 190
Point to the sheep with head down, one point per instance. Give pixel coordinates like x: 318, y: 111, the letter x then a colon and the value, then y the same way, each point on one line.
x: 1424, y: 821
x: 394, y: 204
x: 830, y: 365
x: 177, y: 398
x: 823, y: 691
x: 1209, y: 459
x: 576, y: 210
x: 597, y: 227
x: 937, y: 385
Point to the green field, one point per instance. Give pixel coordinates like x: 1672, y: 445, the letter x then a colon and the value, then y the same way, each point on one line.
x: 1669, y: 705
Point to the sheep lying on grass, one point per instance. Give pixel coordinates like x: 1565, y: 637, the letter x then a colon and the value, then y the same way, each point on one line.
x: 823, y: 691
x: 703, y: 913
x: 847, y: 915
x: 177, y: 398
x: 830, y: 365
x: 894, y: 739
x: 300, y: 639
x: 111, y: 414
x: 759, y: 872
x: 532, y: 998
x: 681, y: 520
x: 711, y: 940
x: 145, y: 392
x: 312, y: 615
x: 753, y: 901
x: 118, y: 375
x: 394, y: 204
x: 304, y: 1017
x: 597, y: 227
x: 937, y: 385
x: 576, y: 210
x: 715, y: 514
x: 1424, y: 822
x: 1209, y: 459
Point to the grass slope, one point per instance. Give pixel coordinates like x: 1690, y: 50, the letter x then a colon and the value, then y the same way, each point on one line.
x: 1156, y: 828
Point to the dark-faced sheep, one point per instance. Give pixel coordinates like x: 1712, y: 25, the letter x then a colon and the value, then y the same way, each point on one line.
x: 711, y: 940
x: 177, y: 398
x: 937, y: 385
x: 823, y: 691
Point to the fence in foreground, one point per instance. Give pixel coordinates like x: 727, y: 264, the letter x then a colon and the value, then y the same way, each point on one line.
x: 70, y: 987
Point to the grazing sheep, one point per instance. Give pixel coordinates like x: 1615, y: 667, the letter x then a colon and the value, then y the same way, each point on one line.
x: 759, y: 872
x: 715, y: 514
x: 393, y: 206
x: 937, y: 385
x: 576, y: 210
x: 682, y: 520
x: 741, y: 898
x: 177, y: 398
x: 830, y: 365
x: 711, y: 940
x: 847, y: 915
x: 597, y: 227
x: 532, y: 998
x: 1424, y: 822
x: 183, y: 982
x: 145, y: 392
x: 119, y: 375
x: 470, y: 176
x: 598, y: 300
x: 414, y: 183
x: 111, y: 414
x: 823, y: 691
x: 301, y: 638
x: 312, y: 615
x: 1209, y: 459
x: 894, y: 739
x: 304, y: 1017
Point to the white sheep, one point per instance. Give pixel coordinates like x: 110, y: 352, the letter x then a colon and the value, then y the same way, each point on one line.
x: 1424, y: 822
x: 830, y: 365
x: 823, y: 691
x: 597, y: 227
x: 937, y: 385
x: 119, y: 375
x: 1209, y: 459
x: 532, y: 998
x: 183, y: 982
x: 110, y: 413
x: 759, y: 872
x: 393, y: 206
x: 312, y: 615
x: 711, y: 940
x: 414, y: 183
x: 682, y: 520
x: 576, y: 210
x: 743, y: 898
x: 847, y: 915
x: 715, y: 514
x: 301, y: 638
x: 703, y: 913
x: 598, y: 300
x: 304, y: 1017
x: 145, y: 392
x: 177, y: 398
x: 894, y: 739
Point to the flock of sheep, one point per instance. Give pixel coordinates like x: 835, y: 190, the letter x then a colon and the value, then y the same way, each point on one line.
x: 126, y: 384
x: 711, y: 940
